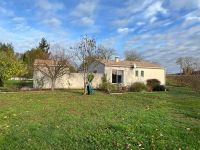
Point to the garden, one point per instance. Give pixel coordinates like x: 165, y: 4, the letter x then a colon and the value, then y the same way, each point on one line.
x: 66, y: 119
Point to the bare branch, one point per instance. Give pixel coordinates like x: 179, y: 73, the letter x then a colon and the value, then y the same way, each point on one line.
x: 57, y: 66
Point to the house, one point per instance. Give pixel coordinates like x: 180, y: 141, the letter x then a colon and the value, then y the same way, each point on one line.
x: 128, y: 72
x: 117, y: 71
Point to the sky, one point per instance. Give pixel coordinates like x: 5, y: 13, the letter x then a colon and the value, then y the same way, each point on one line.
x: 161, y: 30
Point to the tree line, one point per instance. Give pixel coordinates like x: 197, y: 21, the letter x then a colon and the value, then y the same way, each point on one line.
x: 188, y: 65
x: 66, y: 59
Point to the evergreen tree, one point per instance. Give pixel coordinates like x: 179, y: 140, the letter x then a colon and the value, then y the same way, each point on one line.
x: 44, y: 46
x: 40, y: 52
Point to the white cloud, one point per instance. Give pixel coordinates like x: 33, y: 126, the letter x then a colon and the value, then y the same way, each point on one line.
x: 87, y: 21
x: 18, y: 19
x: 20, y: 24
x: 155, y: 8
x: 193, y: 16
x: 48, y: 12
x: 138, y: 11
x: 140, y: 23
x: 6, y: 12
x: 184, y: 4
x: 153, y: 19
x: 54, y: 22
x: 122, y: 22
x: 85, y: 12
x: 49, y: 6
x: 133, y: 6
x: 29, y: 38
x: 85, y: 8
x: 188, y: 18
x: 125, y: 30
x: 166, y: 47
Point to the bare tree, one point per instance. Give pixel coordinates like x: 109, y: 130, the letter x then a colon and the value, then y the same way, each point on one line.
x: 132, y: 55
x: 105, y: 52
x: 54, y: 68
x: 85, y: 52
x: 187, y: 65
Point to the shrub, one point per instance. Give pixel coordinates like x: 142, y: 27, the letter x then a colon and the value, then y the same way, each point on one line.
x: 138, y: 87
x: 18, y: 83
x: 119, y: 88
x: 90, y: 77
x: 106, y: 86
x: 159, y: 88
x: 151, y: 83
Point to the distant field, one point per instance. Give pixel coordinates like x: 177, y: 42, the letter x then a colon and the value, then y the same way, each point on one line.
x: 68, y: 120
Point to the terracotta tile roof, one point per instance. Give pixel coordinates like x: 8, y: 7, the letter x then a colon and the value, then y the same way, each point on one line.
x: 124, y: 63
x: 43, y: 62
x: 48, y: 62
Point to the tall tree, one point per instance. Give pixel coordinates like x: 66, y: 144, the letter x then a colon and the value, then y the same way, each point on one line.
x: 105, y: 52
x: 85, y: 52
x: 44, y: 46
x: 7, y: 48
x: 132, y: 55
x: 54, y: 68
x: 9, y: 64
x: 187, y: 65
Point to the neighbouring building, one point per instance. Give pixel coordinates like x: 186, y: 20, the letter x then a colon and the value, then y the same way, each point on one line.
x: 117, y: 71
x: 67, y: 81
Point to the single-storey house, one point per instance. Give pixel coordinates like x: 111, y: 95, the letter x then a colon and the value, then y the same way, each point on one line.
x: 128, y: 72
x: 117, y: 71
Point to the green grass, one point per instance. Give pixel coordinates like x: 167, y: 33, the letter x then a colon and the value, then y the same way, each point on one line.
x: 68, y: 120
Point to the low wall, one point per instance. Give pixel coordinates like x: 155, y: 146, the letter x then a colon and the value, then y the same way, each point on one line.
x: 68, y: 81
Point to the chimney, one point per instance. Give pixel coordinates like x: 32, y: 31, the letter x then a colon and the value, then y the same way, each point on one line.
x: 116, y: 59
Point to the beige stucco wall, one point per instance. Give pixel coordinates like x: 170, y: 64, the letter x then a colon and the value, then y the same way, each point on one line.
x: 69, y: 81
x: 129, y: 74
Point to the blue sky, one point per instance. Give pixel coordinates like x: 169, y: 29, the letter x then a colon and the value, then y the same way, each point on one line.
x: 161, y: 30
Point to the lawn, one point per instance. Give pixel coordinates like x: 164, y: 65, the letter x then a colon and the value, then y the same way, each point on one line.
x: 68, y: 120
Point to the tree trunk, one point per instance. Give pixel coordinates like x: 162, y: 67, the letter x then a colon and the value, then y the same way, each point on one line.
x: 53, y: 84
x: 1, y: 82
x: 85, y: 89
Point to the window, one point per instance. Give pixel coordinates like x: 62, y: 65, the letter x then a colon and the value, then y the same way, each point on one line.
x: 95, y: 71
x: 136, y: 73
x: 142, y: 73
x: 117, y: 76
